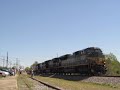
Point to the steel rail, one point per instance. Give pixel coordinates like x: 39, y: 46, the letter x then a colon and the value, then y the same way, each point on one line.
x: 26, y: 83
x: 48, y: 85
x: 108, y: 76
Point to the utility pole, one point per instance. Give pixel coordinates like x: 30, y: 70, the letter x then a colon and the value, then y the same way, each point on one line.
x: 17, y: 63
x: 7, y: 60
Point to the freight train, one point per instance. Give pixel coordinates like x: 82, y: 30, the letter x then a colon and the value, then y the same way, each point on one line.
x: 90, y: 61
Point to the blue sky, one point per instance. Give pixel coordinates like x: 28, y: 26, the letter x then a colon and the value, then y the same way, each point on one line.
x: 36, y: 30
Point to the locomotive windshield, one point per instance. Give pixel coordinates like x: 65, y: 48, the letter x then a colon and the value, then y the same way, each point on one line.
x: 95, y: 53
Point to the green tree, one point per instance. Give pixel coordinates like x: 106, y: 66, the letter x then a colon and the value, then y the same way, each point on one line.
x: 27, y: 69
x: 113, y: 65
x: 35, y: 63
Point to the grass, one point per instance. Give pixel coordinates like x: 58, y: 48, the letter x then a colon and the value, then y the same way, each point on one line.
x: 22, y: 80
x: 0, y: 76
x: 75, y: 85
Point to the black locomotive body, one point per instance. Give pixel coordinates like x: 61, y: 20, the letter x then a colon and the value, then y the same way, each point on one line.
x: 88, y: 61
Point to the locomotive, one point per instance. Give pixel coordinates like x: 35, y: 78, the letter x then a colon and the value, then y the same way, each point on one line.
x: 90, y: 61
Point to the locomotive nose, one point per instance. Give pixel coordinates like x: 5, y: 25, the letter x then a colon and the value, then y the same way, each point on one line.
x: 97, y: 60
x: 100, y: 61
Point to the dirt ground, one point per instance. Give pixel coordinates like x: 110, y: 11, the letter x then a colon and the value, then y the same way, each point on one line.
x: 8, y: 83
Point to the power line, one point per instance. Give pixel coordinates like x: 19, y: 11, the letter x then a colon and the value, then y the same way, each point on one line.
x: 7, y: 60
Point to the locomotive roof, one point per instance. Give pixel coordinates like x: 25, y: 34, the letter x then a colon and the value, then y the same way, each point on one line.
x: 55, y: 59
x: 92, y: 48
x: 48, y: 61
x: 66, y: 55
x: 89, y: 48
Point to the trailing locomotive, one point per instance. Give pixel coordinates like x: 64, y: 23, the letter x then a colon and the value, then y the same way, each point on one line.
x: 87, y: 61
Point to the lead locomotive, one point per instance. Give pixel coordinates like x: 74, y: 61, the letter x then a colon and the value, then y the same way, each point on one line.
x: 90, y: 61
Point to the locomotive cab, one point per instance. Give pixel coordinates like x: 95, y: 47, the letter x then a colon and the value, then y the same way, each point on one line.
x: 96, y: 56
x: 96, y: 60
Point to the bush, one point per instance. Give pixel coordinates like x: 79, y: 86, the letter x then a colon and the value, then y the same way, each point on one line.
x: 113, y: 65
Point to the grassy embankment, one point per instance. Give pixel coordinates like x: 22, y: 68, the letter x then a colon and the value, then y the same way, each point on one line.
x: 75, y: 85
x: 22, y: 80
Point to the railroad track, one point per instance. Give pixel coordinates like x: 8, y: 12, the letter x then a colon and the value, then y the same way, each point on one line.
x: 27, y: 86
x: 108, y: 76
x: 48, y: 85
x: 94, y: 79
